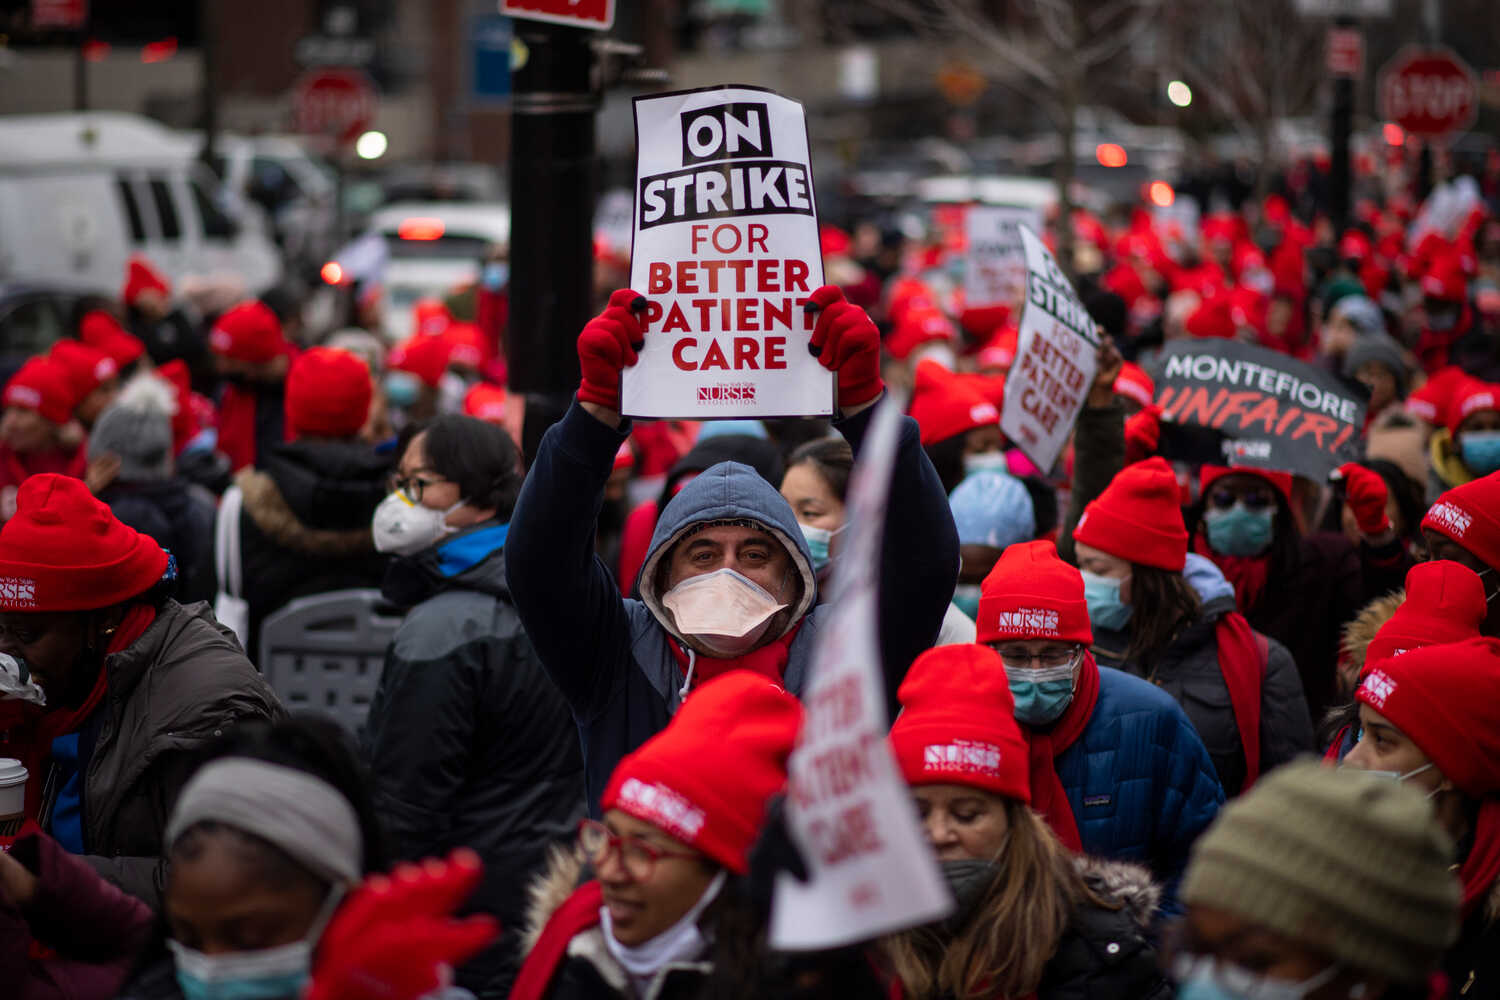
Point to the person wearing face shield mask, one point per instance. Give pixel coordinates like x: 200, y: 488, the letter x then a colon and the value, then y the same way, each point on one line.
x: 1430, y: 719
x: 1168, y: 616
x: 729, y: 581
x: 1117, y: 769
x: 1469, y: 447
x: 1032, y: 919
x: 469, y: 743
x: 1317, y: 884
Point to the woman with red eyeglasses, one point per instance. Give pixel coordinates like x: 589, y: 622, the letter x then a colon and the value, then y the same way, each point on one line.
x: 680, y: 815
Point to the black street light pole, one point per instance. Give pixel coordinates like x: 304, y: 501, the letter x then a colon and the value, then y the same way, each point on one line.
x: 1341, y: 125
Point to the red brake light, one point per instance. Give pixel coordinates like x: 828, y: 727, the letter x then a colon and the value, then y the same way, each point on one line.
x: 420, y: 228
x: 1111, y: 154
x: 332, y: 273
x: 1161, y: 194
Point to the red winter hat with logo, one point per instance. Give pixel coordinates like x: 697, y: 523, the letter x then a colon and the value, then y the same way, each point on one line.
x: 1446, y: 700
x: 248, y: 332
x: 1138, y: 517
x: 42, y: 385
x: 1469, y: 397
x: 100, y: 330
x: 958, y: 724
x: 328, y: 394
x: 1444, y: 603
x: 1432, y: 400
x: 1470, y: 515
x: 485, y: 401
x: 707, y: 777
x: 1281, y: 482
x: 1134, y: 383
x: 424, y: 357
x: 1032, y: 594
x: 1445, y: 279
x: 945, y: 405
x: 64, y: 551
x: 140, y: 277
x: 87, y: 367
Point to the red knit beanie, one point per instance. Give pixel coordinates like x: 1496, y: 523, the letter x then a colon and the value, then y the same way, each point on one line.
x: 424, y: 357
x: 958, y: 724
x: 487, y: 402
x: 64, y: 551
x: 1032, y: 594
x: 944, y: 405
x: 1281, y: 482
x: 1446, y: 699
x: 1134, y: 383
x: 99, y: 329
x: 248, y: 332
x: 1137, y: 517
x: 430, y: 317
x: 466, y: 345
x: 707, y: 777
x: 327, y: 394
x: 1470, y: 515
x: 1212, y: 318
x: 1444, y: 603
x: 42, y: 384
x: 87, y: 367
x: 140, y: 277
x: 1431, y: 400
x: 1471, y: 396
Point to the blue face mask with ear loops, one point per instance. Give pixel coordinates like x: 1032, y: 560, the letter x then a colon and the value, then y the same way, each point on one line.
x: 1239, y: 531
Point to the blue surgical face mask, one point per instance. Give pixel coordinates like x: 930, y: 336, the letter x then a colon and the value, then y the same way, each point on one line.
x: 401, y: 388
x: 1237, y: 531
x: 980, y: 461
x: 1480, y: 451
x: 966, y: 599
x: 495, y: 275
x: 1206, y: 978
x: 1102, y: 593
x: 819, y: 541
x: 1042, y: 695
x: 266, y: 974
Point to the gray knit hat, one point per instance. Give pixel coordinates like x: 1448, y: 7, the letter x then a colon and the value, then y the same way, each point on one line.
x: 1352, y: 864
x: 137, y: 428
x: 1381, y: 348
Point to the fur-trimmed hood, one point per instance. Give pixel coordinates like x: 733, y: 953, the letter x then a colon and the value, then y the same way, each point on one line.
x: 265, y: 505
x: 549, y: 890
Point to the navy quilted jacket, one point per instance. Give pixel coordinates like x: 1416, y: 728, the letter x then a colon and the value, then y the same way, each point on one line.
x: 1140, y: 781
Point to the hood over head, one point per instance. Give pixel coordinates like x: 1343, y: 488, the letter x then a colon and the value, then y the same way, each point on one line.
x: 728, y: 491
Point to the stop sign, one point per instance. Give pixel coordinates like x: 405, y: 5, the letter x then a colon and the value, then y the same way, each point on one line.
x: 1429, y: 91
x: 339, y: 103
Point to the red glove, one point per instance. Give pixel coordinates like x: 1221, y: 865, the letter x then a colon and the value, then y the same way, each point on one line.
x: 1365, y: 493
x: 845, y: 341
x: 1142, y: 434
x: 395, y: 939
x: 609, y: 342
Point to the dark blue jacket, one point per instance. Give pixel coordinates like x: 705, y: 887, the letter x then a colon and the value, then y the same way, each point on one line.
x: 610, y: 656
x: 1140, y: 781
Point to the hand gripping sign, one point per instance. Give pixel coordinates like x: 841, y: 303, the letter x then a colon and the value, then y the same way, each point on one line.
x: 725, y: 248
x: 1055, y: 360
x: 870, y: 868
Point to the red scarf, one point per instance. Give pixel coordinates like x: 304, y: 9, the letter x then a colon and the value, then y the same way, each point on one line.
x: 768, y: 661
x: 1481, y: 869
x: 1247, y: 573
x: 16, y: 467
x: 1243, y: 655
x: 30, y: 729
x: 577, y: 914
x: 1048, y: 796
x: 237, y: 426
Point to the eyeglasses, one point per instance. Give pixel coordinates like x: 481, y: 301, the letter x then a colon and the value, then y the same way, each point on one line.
x: 1019, y: 657
x: 597, y: 842
x: 413, y: 485
x: 1253, y: 499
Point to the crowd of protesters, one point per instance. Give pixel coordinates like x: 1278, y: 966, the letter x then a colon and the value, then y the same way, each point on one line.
x: 1240, y: 728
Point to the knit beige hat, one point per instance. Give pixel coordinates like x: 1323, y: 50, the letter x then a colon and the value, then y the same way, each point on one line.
x: 1352, y: 864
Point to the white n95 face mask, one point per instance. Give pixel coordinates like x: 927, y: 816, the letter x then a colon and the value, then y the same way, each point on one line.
x: 404, y: 527
x: 722, y: 611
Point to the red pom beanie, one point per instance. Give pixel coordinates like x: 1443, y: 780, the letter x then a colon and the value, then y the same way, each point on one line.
x: 87, y: 367
x: 958, y: 725
x: 1470, y: 515
x: 64, y: 551
x: 42, y: 384
x: 1446, y: 699
x: 707, y: 777
x: 1444, y: 603
x: 1471, y: 396
x: 1032, y: 594
x: 327, y: 394
x: 424, y: 357
x: 248, y: 332
x: 944, y: 405
x: 140, y: 277
x: 1137, y: 518
x: 1281, y: 482
x: 101, y: 330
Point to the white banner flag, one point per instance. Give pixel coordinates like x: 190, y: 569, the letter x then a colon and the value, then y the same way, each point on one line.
x: 726, y: 251
x: 848, y: 808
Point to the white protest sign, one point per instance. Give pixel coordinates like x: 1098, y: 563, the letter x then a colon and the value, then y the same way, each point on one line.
x: 871, y: 869
x: 726, y: 251
x: 1055, y: 360
x: 995, y: 269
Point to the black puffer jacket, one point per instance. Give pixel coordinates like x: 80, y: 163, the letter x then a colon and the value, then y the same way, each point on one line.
x: 1108, y: 952
x: 469, y: 743
x: 1188, y: 669
x: 180, y: 516
x: 305, y: 526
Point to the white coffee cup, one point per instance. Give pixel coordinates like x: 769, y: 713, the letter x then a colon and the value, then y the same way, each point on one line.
x: 13, y: 777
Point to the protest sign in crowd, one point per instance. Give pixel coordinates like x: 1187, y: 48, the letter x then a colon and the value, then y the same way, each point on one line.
x: 889, y: 615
